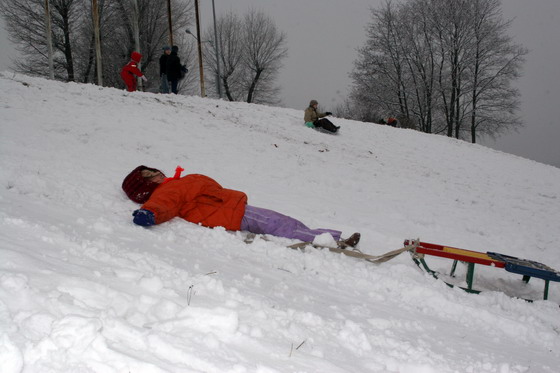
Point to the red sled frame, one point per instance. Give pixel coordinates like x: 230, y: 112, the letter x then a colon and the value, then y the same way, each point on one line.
x: 524, y: 267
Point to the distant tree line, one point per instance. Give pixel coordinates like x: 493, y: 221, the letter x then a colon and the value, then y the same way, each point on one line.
x: 73, y: 38
x: 251, y: 46
x: 440, y: 66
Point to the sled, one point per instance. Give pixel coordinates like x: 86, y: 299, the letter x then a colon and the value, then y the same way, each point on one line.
x: 524, y: 267
x: 322, y: 130
x: 326, y: 126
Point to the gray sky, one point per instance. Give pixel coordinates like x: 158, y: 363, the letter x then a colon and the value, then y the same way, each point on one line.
x: 536, y: 24
x: 323, y: 36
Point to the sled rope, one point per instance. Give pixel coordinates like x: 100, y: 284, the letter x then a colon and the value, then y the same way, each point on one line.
x: 355, y: 253
x: 391, y: 254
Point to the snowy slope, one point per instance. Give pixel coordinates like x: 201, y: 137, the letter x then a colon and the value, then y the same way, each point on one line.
x: 82, y: 289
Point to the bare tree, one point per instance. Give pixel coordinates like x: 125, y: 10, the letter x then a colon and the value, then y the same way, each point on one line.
x: 496, y: 63
x: 265, y: 48
x: 376, y: 76
x: 25, y: 24
x: 443, y: 66
x: 452, y: 37
x: 420, y: 58
x: 64, y: 18
x: 188, y: 53
x: 230, y: 39
x: 251, y: 53
x: 392, y: 73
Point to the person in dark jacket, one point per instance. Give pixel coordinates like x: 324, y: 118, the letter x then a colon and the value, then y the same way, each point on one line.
x: 164, y: 84
x: 201, y: 200
x: 173, y: 68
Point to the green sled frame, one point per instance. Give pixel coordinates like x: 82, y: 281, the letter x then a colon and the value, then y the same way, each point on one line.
x: 524, y: 267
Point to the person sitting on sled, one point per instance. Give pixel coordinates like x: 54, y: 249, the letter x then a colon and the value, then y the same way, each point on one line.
x: 201, y: 200
x: 312, y: 118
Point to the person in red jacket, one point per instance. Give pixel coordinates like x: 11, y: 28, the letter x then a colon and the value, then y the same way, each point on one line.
x: 201, y: 200
x: 130, y: 71
x: 392, y: 122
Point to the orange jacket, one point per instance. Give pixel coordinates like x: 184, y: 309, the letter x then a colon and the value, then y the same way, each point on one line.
x: 200, y: 200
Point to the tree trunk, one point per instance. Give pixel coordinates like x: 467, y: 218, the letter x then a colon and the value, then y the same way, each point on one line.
x: 251, y: 91
x: 227, y: 89
x: 67, y: 46
x: 91, y: 57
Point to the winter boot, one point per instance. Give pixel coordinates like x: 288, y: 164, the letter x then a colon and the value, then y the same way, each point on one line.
x: 351, y: 241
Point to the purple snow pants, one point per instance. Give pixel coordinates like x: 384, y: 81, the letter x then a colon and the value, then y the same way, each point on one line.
x: 263, y: 221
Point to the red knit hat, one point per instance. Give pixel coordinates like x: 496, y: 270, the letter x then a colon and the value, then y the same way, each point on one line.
x: 138, y: 188
x: 136, y: 57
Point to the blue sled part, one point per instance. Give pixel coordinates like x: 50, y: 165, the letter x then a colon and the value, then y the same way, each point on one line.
x: 526, y: 267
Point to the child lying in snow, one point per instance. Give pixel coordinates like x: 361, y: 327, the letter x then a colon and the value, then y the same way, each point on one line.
x: 201, y: 200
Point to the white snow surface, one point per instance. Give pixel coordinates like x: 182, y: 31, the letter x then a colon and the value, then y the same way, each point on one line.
x: 83, y: 289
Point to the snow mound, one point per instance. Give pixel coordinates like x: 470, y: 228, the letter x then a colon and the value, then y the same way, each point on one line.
x: 82, y: 289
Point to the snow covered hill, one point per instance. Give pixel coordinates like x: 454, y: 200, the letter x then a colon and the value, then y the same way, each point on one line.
x: 82, y: 289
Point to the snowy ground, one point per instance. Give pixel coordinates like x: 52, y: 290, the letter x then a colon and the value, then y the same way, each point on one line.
x: 82, y: 289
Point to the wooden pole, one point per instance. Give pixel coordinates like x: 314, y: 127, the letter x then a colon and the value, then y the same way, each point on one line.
x: 136, y: 35
x: 98, y: 62
x: 217, y: 50
x: 200, y: 68
x: 170, y: 23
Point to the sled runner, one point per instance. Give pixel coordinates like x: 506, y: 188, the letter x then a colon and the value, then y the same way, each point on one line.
x: 322, y: 130
x: 326, y: 126
x: 524, y: 267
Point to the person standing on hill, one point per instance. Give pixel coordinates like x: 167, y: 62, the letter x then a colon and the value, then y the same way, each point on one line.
x: 312, y: 118
x: 173, y: 68
x: 130, y: 71
x: 164, y: 82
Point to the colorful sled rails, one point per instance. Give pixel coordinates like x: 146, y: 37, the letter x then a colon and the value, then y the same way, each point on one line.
x: 419, y: 250
x: 524, y: 267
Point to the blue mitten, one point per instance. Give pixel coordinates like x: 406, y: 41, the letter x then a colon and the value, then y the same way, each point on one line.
x: 144, y: 218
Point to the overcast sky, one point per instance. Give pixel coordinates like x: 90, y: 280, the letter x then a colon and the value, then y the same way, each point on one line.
x: 323, y: 36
